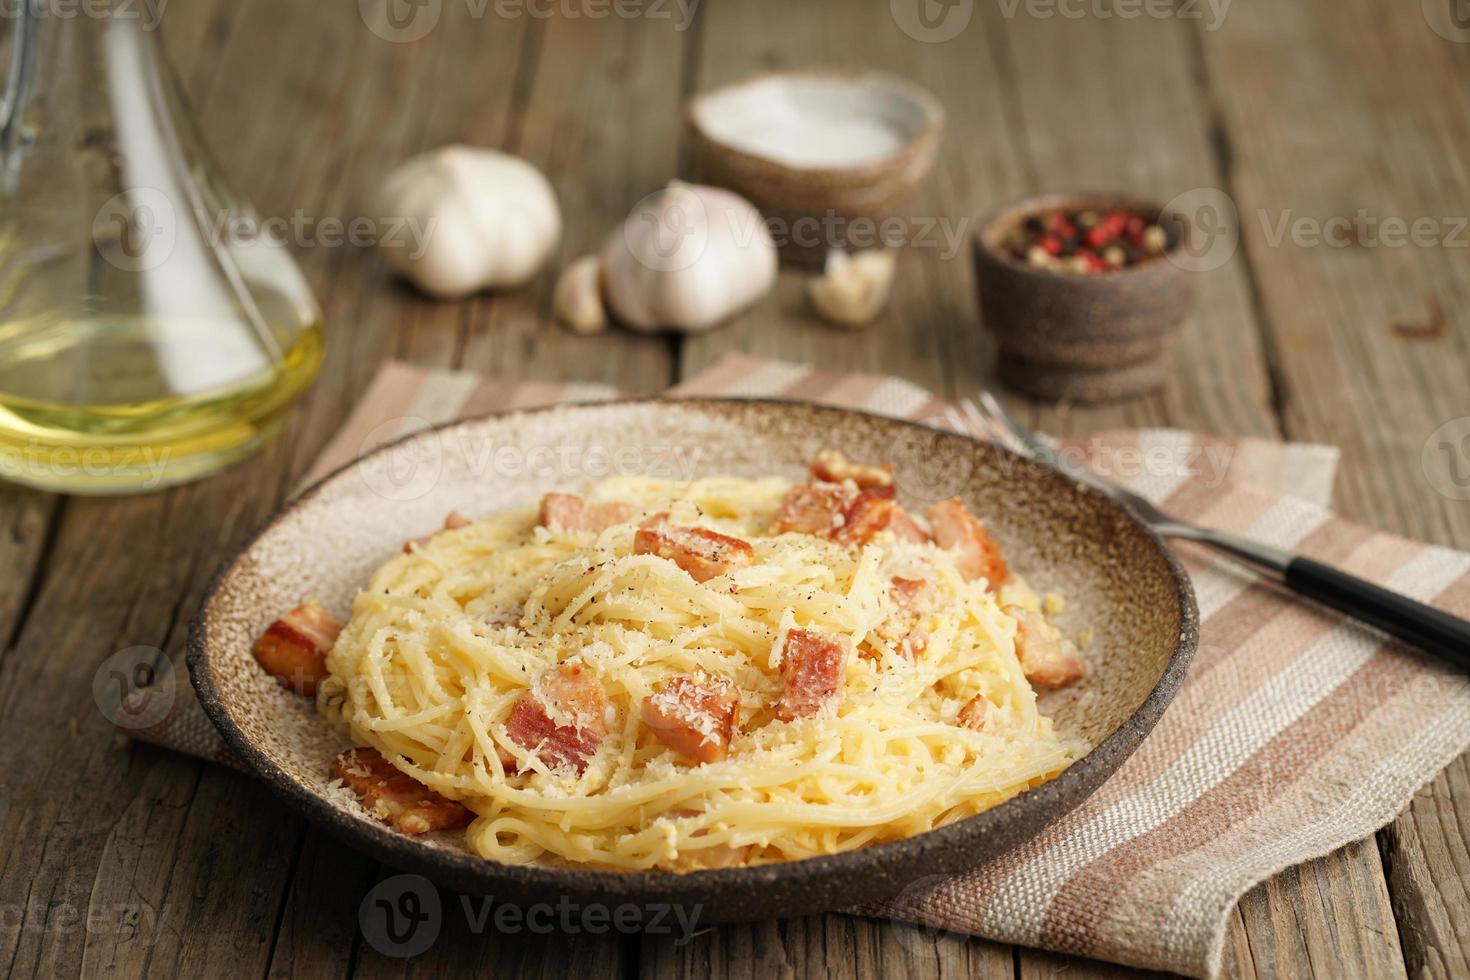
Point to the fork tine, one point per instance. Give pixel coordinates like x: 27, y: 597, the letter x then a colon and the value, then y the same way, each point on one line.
x: 998, y: 411
x: 957, y: 422
x: 997, y: 431
x: 981, y: 422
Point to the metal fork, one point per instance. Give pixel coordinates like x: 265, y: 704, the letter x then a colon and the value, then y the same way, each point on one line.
x: 1433, y: 630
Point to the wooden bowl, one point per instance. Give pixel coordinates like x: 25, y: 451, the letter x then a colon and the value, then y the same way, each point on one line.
x: 1064, y: 335
x: 825, y: 154
x: 1117, y: 577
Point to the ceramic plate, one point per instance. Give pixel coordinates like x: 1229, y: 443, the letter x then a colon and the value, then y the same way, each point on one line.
x: 1117, y: 578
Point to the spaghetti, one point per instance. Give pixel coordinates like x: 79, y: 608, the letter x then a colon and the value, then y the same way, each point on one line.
x: 450, y: 637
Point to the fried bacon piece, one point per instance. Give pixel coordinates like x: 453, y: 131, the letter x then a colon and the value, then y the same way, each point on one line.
x: 814, y: 508
x: 910, y: 598
x: 1048, y: 659
x: 695, y: 716
x: 843, y: 513
x: 294, y: 648
x: 395, y: 797
x: 904, y: 527
x: 911, y: 595
x: 703, y: 553
x: 871, y: 514
x: 830, y: 466
x: 976, y: 713
x: 562, y: 719
x: 453, y: 521
x: 811, y: 673
x: 977, y: 553
x: 570, y: 512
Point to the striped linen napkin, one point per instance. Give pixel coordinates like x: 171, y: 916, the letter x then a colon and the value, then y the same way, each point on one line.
x: 1296, y: 731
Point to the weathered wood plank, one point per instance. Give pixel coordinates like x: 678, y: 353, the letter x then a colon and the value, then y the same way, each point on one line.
x: 926, y: 334
x: 509, y: 334
x: 89, y: 827
x: 605, y: 134
x: 1427, y: 858
x: 1296, y: 923
x: 1148, y: 130
x: 824, y: 945
x: 25, y: 516
x: 1007, y: 136
x: 1394, y: 150
x: 1122, y: 109
x: 230, y: 883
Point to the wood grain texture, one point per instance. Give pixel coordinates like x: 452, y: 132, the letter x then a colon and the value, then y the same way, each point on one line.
x: 198, y: 871
x: 830, y: 945
x: 605, y: 135
x: 1151, y: 130
x: 1334, y: 111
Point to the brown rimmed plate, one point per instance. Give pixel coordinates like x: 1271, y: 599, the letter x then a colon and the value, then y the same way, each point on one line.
x: 1118, y: 579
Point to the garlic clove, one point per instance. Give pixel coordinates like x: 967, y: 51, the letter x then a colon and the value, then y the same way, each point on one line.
x: 853, y: 289
x: 460, y: 219
x: 577, y: 300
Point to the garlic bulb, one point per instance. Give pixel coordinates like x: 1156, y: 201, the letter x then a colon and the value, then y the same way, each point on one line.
x: 480, y: 219
x: 853, y: 288
x: 686, y: 258
x: 577, y: 300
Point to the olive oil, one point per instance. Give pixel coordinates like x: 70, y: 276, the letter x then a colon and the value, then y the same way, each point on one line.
x: 150, y: 331
x: 121, y: 405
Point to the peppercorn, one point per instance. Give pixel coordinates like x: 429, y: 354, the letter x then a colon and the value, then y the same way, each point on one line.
x: 1086, y: 242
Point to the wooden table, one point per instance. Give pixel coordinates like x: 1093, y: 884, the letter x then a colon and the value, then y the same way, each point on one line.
x: 1311, y: 109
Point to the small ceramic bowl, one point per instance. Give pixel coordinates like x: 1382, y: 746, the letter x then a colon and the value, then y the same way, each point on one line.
x: 1066, y: 335
x: 827, y: 155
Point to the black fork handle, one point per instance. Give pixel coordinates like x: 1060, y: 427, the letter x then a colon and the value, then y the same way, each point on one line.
x: 1432, y: 630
